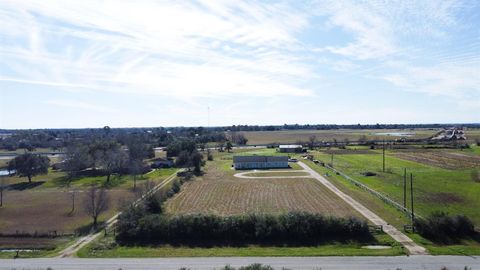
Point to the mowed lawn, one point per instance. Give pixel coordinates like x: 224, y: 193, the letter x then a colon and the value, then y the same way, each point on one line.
x: 436, y: 188
x: 219, y: 192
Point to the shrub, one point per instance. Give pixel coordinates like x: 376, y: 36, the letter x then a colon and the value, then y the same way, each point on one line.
x: 153, y: 204
x: 290, y: 228
x: 440, y: 227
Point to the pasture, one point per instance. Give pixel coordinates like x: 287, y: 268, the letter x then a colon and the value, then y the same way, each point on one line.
x: 442, y: 178
x: 293, y: 136
x: 45, y: 206
x: 219, y: 192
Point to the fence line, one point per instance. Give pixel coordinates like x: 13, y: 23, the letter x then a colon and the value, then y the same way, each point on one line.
x: 38, y: 234
x: 379, y: 195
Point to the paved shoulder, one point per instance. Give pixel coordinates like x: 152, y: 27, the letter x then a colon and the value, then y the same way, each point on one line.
x: 296, y: 263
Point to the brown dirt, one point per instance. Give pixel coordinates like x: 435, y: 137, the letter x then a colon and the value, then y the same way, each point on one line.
x: 348, y: 152
x: 443, y: 198
x: 48, y: 210
x: 218, y: 192
x: 443, y: 159
x: 29, y: 242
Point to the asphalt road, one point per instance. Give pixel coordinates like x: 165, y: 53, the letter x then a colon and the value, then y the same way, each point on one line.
x: 311, y: 263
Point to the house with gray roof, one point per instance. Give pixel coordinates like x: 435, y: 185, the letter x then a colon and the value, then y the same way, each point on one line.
x: 259, y: 162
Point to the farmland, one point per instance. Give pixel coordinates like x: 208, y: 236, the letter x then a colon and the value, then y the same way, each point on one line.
x: 436, y: 188
x: 45, y: 207
x: 293, y: 136
x: 219, y: 192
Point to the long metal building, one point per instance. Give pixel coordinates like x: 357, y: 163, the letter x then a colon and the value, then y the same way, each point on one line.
x: 259, y: 162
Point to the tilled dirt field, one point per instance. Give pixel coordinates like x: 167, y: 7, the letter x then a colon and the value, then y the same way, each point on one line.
x: 220, y: 193
x: 49, y: 210
x: 443, y: 159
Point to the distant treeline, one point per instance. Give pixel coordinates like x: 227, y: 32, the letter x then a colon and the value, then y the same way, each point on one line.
x: 333, y: 127
x: 61, y: 138
x: 163, y: 136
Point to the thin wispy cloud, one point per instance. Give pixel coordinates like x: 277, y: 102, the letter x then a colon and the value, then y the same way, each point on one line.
x: 71, y: 104
x: 221, y: 52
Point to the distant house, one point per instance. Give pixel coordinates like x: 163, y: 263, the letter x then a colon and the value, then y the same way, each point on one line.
x: 290, y: 148
x: 162, y: 163
x: 260, y: 162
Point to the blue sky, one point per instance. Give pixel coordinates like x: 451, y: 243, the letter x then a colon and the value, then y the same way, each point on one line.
x: 126, y: 63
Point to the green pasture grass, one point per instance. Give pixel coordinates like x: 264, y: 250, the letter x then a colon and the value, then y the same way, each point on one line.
x: 435, y: 189
x: 395, y: 217
x: 105, y: 247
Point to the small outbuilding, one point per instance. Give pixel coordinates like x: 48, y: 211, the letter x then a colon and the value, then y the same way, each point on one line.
x: 260, y: 162
x: 290, y: 148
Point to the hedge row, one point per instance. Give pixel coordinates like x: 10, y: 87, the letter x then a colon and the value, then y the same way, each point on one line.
x: 440, y: 227
x: 135, y: 226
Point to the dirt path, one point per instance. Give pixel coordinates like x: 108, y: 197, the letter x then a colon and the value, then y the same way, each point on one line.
x: 71, y: 250
x: 398, y: 236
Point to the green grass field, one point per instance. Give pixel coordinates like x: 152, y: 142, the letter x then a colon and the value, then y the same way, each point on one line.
x: 435, y: 188
x: 106, y: 247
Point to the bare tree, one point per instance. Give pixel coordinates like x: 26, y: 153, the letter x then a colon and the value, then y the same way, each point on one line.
x: 111, y: 160
x: 96, y: 202
x: 76, y: 159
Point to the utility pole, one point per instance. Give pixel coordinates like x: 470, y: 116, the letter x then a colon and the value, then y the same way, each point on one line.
x: 383, y: 155
x: 411, y: 200
x: 331, y: 163
x: 405, y: 188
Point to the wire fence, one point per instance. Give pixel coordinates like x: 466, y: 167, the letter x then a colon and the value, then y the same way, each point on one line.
x: 379, y: 195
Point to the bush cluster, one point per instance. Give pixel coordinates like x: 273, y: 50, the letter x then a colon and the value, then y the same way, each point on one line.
x: 137, y: 226
x: 440, y: 227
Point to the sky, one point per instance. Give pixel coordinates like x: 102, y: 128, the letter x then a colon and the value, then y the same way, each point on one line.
x: 122, y: 63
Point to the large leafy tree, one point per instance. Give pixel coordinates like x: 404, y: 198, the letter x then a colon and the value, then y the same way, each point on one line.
x: 29, y: 165
x: 76, y: 159
x: 108, y: 156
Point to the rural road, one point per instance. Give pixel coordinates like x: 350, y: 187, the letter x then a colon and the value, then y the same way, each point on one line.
x: 297, y: 263
x: 409, y: 244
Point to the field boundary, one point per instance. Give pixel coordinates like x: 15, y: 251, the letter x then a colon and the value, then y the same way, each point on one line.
x: 412, y: 247
x: 75, y: 247
x: 379, y: 195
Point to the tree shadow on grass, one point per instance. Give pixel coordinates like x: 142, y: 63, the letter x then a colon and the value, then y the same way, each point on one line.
x: 25, y: 185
